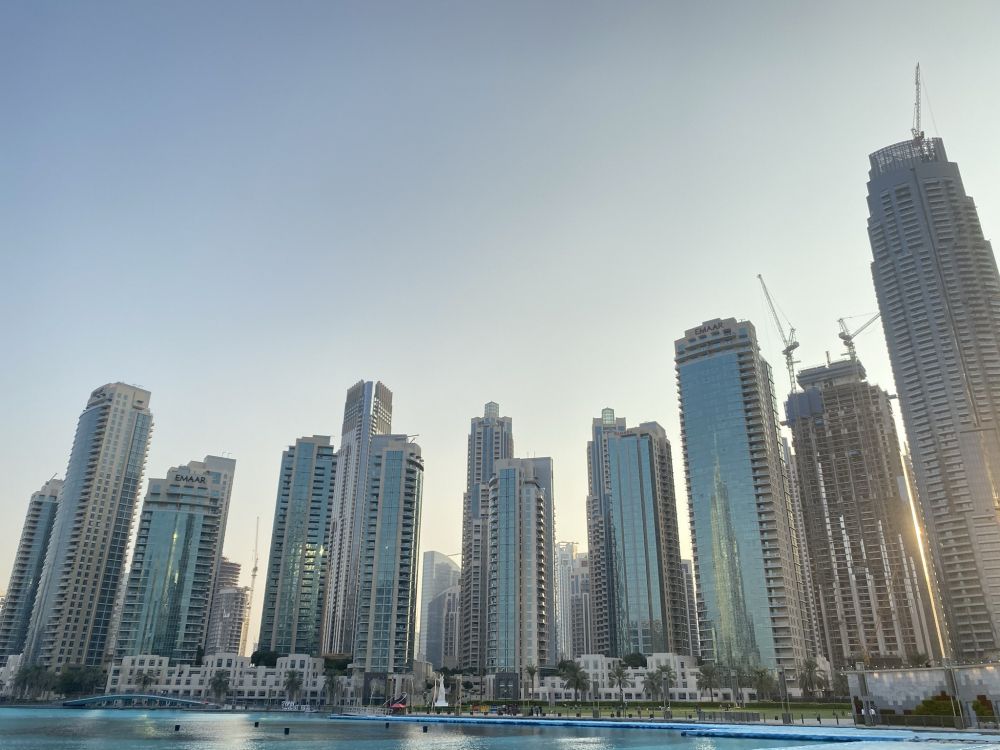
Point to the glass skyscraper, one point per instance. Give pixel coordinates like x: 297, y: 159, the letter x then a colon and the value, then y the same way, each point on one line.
x: 367, y: 413
x: 178, y: 549
x: 84, y: 565
x: 297, y: 568
x: 438, y: 573
x: 747, y: 564
x: 491, y: 438
x: 390, y: 535
x: 939, y: 294
x: 635, y: 562
x: 520, y: 621
x: 15, y: 614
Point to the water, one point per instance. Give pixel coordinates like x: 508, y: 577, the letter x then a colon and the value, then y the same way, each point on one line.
x: 91, y: 729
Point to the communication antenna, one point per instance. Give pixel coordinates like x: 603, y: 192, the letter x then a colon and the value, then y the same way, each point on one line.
x: 918, y: 134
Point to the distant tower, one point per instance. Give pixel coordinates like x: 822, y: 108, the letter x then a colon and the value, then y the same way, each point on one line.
x: 565, y: 557
x: 367, y: 414
x: 15, y: 615
x: 384, y: 640
x: 227, y: 617
x: 872, y: 596
x: 520, y: 621
x: 298, y: 566
x: 490, y: 440
x: 85, y: 561
x: 582, y: 641
x: 747, y: 562
x: 939, y: 294
x: 178, y: 550
x: 438, y: 573
x: 635, y: 560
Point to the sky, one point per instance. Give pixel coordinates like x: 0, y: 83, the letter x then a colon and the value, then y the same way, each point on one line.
x: 248, y: 207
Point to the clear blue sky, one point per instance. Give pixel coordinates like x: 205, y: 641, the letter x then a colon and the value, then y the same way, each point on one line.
x: 247, y: 207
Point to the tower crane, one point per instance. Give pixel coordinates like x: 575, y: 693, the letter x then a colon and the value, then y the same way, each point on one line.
x: 788, y: 339
x: 847, y: 336
x: 253, y: 583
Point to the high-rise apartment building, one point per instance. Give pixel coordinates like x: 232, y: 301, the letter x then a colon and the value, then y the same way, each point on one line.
x: 520, y: 622
x: 177, y: 553
x: 563, y: 568
x: 581, y: 628
x: 15, y: 615
x: 384, y: 639
x: 438, y: 573
x: 84, y: 564
x: 442, y: 625
x: 634, y: 547
x: 490, y: 439
x: 871, y: 595
x: 691, y: 608
x: 367, y: 413
x: 747, y: 563
x: 230, y: 606
x: 939, y: 294
x: 299, y: 563
x: 228, y: 575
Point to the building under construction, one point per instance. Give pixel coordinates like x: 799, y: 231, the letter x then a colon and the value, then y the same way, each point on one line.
x: 870, y: 589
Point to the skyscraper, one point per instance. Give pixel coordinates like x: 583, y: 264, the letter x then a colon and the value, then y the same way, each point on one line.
x: 299, y: 563
x: 177, y: 553
x: 865, y: 564
x: 563, y: 569
x: 390, y: 535
x: 635, y: 559
x: 367, y: 413
x: 225, y: 623
x: 15, y: 615
x: 490, y: 439
x: 939, y: 294
x: 438, y: 573
x: 520, y: 622
x: 747, y: 565
x: 691, y: 606
x: 581, y: 629
x: 84, y: 563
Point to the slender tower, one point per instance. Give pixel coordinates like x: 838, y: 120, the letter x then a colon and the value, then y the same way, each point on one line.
x: 490, y: 439
x: 367, y: 413
x: 939, y: 294
x: 15, y: 615
x: 84, y: 564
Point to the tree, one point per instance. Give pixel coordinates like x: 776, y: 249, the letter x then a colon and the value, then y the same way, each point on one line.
x: 293, y: 684
x: 708, y: 679
x: 762, y: 682
x: 218, y: 686
x: 144, y: 679
x: 532, y: 670
x: 652, y: 685
x: 811, y: 677
x: 841, y: 688
x: 32, y: 681
x: 620, y: 679
x: 634, y: 660
x: 575, y: 678
x: 77, y: 680
x: 666, y: 676
x: 332, y: 672
x: 264, y: 658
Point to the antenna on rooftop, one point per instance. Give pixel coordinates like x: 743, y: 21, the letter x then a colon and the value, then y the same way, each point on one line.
x: 918, y: 134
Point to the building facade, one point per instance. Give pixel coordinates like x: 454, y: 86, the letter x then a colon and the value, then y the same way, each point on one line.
x: 299, y: 561
x: 581, y: 624
x: 939, y: 294
x: 384, y: 640
x: 442, y: 624
x: 438, y: 573
x: 871, y: 594
x: 634, y: 545
x: 491, y: 439
x: 176, y: 557
x: 367, y: 414
x: 226, y: 634
x: 746, y: 554
x: 691, y: 609
x: 29, y: 560
x: 566, y: 553
x: 84, y: 564
x: 520, y: 621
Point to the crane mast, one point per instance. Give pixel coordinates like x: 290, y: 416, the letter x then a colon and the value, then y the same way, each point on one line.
x: 253, y: 583
x: 788, y: 339
x: 847, y: 336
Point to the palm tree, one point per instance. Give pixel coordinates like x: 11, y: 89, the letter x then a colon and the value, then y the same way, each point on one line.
x: 293, y: 684
x: 620, y: 679
x: 144, y: 679
x: 763, y: 683
x: 575, y: 677
x: 652, y: 685
x: 32, y: 681
x: 219, y: 685
x: 532, y: 670
x: 708, y: 679
x: 331, y: 683
x: 811, y: 677
x: 666, y: 676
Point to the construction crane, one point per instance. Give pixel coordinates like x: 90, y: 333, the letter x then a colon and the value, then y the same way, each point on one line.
x: 789, y: 340
x: 253, y: 584
x: 918, y: 134
x: 847, y: 336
